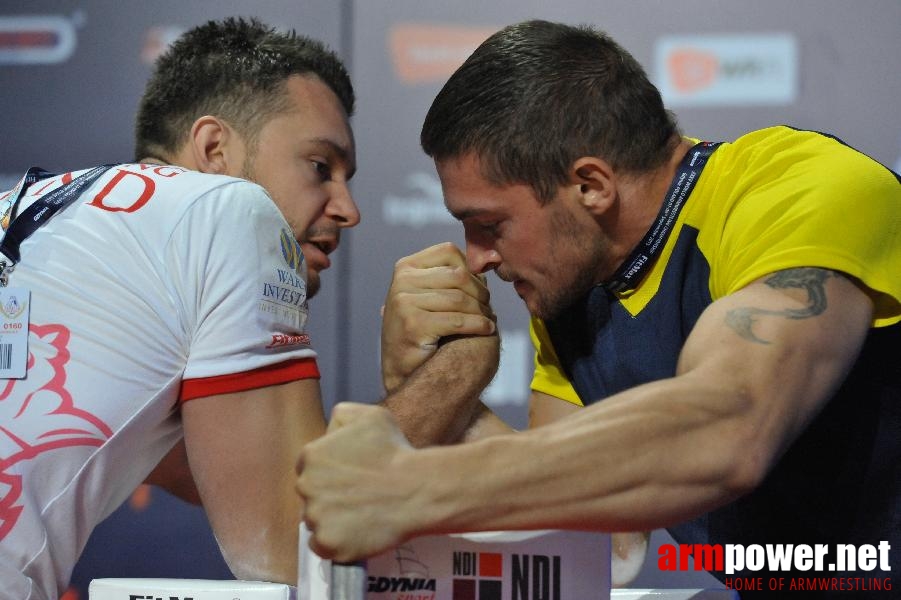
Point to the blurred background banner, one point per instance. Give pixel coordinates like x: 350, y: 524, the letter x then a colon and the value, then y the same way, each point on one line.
x: 72, y: 71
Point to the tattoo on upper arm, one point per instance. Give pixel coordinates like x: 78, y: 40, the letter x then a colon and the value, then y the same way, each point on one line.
x: 811, y: 280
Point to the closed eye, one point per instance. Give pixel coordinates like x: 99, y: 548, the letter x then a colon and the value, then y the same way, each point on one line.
x: 482, y: 229
x: 489, y: 228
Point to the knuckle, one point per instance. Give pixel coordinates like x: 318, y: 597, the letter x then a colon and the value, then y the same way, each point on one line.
x: 443, y: 248
x: 461, y: 275
x: 342, y: 408
x: 402, y: 262
x: 458, y: 298
x: 479, y: 323
x: 401, y: 299
x: 409, y: 321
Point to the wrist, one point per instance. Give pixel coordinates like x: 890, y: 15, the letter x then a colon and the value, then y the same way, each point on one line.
x: 423, y: 479
x: 438, y: 505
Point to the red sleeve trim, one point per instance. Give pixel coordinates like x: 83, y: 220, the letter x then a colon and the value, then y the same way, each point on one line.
x: 292, y: 370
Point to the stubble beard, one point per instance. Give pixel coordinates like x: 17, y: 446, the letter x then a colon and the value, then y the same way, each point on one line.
x: 248, y: 173
x: 313, y: 282
x: 578, y: 255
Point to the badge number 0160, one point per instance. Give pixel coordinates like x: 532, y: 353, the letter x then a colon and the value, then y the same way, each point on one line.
x: 14, y: 309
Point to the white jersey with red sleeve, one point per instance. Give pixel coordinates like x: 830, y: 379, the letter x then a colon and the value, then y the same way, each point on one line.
x: 158, y: 285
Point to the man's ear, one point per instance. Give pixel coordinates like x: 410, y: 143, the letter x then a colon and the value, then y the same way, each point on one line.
x: 215, y: 146
x: 596, y: 182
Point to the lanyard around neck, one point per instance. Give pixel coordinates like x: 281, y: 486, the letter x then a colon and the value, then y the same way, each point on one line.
x: 639, y: 262
x: 42, y: 210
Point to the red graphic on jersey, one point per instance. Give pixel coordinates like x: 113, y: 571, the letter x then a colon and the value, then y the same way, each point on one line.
x: 37, y: 414
x: 288, y: 339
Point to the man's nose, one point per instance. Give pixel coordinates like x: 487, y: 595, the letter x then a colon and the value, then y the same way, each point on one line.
x: 342, y: 208
x: 480, y: 259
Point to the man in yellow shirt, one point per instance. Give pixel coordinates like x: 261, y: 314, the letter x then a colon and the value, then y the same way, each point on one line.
x: 728, y: 315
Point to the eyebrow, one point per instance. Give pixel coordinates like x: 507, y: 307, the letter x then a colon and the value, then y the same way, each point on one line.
x: 341, y: 152
x: 469, y: 213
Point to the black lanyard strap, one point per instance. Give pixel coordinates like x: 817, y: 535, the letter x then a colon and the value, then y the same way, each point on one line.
x: 575, y: 330
x: 41, y: 211
x: 636, y: 266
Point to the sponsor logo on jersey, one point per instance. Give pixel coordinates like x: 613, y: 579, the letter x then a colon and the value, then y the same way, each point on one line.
x: 289, y: 339
x: 292, y: 252
x: 284, y: 292
x: 284, y: 295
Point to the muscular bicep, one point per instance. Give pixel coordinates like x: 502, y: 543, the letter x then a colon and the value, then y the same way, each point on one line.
x: 779, y: 348
x: 242, y: 448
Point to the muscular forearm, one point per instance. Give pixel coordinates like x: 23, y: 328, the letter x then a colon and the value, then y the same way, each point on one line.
x: 485, y: 423
x: 756, y: 369
x: 439, y: 402
x: 607, y: 468
x: 643, y: 460
x: 754, y: 372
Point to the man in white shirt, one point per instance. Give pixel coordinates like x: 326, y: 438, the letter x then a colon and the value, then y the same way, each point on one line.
x: 169, y: 297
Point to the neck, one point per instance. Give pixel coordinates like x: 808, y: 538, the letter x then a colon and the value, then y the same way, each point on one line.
x: 183, y: 158
x: 640, y: 200
x: 659, y: 181
x: 153, y: 160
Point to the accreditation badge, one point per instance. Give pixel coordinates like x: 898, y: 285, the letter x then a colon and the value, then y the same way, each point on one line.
x: 14, y: 311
